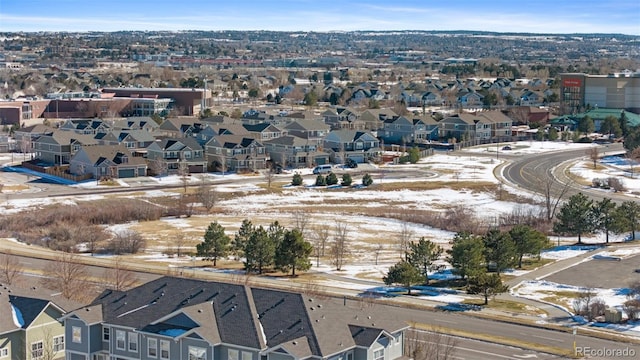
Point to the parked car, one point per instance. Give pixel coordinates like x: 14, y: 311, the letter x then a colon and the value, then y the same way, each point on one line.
x: 350, y: 163
x: 506, y: 147
x: 322, y: 169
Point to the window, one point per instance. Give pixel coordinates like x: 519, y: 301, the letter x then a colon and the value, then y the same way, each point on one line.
x: 164, y: 349
x: 4, y: 352
x: 152, y: 347
x: 37, y: 350
x: 120, y: 339
x: 105, y: 333
x: 233, y: 355
x: 58, y: 343
x: 76, y: 334
x: 133, y: 342
x: 378, y: 354
x: 247, y: 355
x: 197, y: 353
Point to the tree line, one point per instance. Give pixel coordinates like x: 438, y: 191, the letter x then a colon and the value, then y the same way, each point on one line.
x: 264, y: 249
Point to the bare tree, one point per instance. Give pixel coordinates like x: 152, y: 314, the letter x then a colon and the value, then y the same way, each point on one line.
x: 183, y: 172
x: 339, y: 248
x: 158, y: 166
x: 118, y: 278
x: 552, y: 193
x: 429, y: 345
x: 594, y: 154
x: 127, y: 242
x: 67, y: 276
x: 93, y: 235
x: 300, y: 220
x: 269, y: 175
x: 634, y: 156
x: 207, y: 196
x: 10, y: 268
x: 321, y: 235
x: 179, y: 242
x: 378, y: 250
x: 404, y: 238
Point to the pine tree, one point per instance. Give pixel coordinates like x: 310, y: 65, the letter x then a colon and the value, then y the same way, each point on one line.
x: 346, y: 180
x: 215, y: 244
x: 241, y: 238
x: 259, y: 251
x: 627, y: 218
x: 603, y: 215
x: 404, y: 274
x: 367, y: 180
x: 321, y: 181
x: 487, y: 285
x: 422, y: 255
x: 575, y: 217
x: 332, y: 179
x: 466, y: 255
x: 499, y: 249
x: 528, y: 241
x: 296, y: 180
x: 293, y: 253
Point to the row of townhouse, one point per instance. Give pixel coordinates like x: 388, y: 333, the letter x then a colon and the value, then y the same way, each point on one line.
x: 173, y: 318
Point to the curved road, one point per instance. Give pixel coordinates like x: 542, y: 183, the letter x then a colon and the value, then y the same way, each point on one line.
x: 539, y: 172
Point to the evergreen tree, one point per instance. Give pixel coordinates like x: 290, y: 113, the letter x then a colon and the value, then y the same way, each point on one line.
x: 296, y: 180
x: 346, y: 180
x: 367, y: 180
x: 414, y: 155
x: 321, y: 181
x: 611, y: 126
x: 499, y: 249
x: 403, y: 273
x: 586, y: 125
x: 241, y: 238
x: 331, y: 179
x: 466, y: 255
x: 553, y: 134
x: 603, y: 215
x: 215, y: 244
x: 422, y: 255
x: 627, y: 218
x: 527, y: 241
x: 575, y: 217
x: 260, y: 251
x: 632, y: 139
x: 486, y: 285
x: 276, y: 232
x: 293, y: 252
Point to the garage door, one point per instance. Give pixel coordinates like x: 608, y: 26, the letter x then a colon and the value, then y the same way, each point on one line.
x: 126, y: 173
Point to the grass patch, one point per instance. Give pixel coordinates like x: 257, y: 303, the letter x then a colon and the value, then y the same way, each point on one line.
x: 14, y: 188
x: 531, y: 264
x: 506, y: 305
x: 480, y: 186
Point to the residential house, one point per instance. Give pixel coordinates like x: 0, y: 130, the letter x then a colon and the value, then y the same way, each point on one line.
x: 530, y: 98
x: 179, y: 127
x: 235, y: 153
x: 264, y: 131
x: 470, y: 99
x: 480, y: 126
x: 431, y: 98
x: 213, y: 129
x: 313, y: 130
x: 136, y: 123
x: 360, y: 146
x: 172, y: 155
x: 58, y: 147
x: 409, y: 129
x: 342, y: 118
x: 107, y: 161
x: 85, y: 126
x: 135, y: 141
x: 27, y: 135
x: 293, y: 151
x: 5, y: 144
x: 29, y: 326
x: 374, y: 118
x: 173, y: 318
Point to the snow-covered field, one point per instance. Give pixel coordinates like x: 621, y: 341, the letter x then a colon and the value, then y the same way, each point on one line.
x: 366, y: 233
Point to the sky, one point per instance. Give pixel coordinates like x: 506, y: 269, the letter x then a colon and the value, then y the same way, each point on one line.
x: 541, y: 16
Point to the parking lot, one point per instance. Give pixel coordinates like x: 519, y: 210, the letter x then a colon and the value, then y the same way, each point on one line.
x: 600, y: 273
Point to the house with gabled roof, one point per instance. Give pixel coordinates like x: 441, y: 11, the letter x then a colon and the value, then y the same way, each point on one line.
x: 409, y: 129
x: 175, y: 153
x: 374, y: 118
x: 172, y: 318
x: 85, y: 126
x: 313, y: 130
x: 342, y: 118
x: 29, y: 326
x: 264, y: 131
x: 107, y: 161
x: 136, y: 141
x: 235, y: 153
x: 293, y: 151
x: 360, y: 146
x: 58, y: 147
x: 136, y: 123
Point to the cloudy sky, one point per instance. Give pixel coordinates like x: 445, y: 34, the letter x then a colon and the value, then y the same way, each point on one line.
x: 541, y: 16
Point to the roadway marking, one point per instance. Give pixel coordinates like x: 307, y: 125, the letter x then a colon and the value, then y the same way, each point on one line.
x: 527, y: 356
x: 446, y: 321
x: 542, y: 337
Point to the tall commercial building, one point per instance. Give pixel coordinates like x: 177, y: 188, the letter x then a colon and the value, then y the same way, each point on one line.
x: 617, y: 91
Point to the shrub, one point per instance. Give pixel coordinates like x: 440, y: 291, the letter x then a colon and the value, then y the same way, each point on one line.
x: 320, y: 181
x: 367, y: 180
x: 296, y: 180
x: 332, y: 179
x: 346, y: 180
x: 616, y: 184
